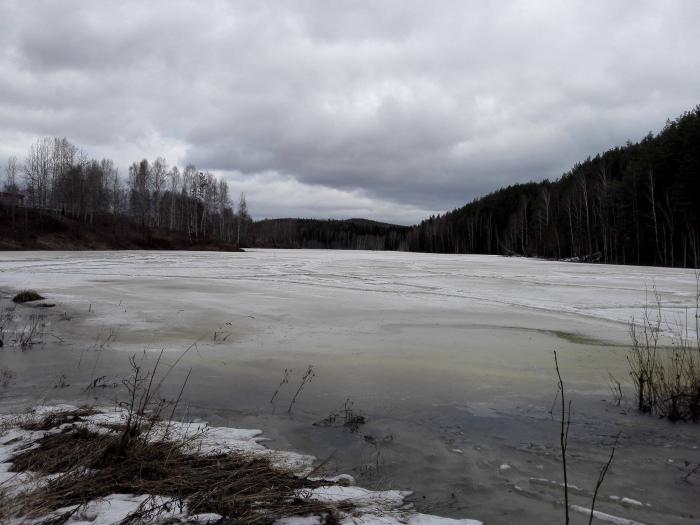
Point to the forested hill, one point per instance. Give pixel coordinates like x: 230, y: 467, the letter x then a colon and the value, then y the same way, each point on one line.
x: 637, y: 204
x: 351, y: 234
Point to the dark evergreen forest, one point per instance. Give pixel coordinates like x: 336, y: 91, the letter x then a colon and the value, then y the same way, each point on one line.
x: 636, y: 204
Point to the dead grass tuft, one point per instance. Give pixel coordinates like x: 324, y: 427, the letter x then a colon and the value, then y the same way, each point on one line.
x: 57, y: 419
x: 26, y: 296
x: 239, y: 487
x: 667, y: 380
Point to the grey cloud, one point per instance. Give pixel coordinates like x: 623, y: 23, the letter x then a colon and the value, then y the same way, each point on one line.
x: 410, y: 107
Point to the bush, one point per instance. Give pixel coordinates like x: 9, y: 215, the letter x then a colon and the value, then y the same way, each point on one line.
x: 667, y: 380
x: 26, y: 296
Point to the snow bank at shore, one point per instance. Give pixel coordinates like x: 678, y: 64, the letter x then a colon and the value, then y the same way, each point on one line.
x: 369, y: 507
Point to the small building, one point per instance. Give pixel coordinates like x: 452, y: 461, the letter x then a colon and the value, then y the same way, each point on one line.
x: 8, y: 198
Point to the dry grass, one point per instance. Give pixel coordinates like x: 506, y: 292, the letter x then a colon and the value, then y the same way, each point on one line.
x: 93, y: 464
x: 32, y: 332
x: 667, y: 379
x: 26, y: 296
x: 347, y: 417
x: 56, y: 419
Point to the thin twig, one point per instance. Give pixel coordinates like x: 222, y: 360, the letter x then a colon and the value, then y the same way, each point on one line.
x: 601, y: 477
x: 564, y: 436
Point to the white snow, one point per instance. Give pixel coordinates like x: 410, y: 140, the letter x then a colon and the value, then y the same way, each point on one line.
x: 340, y: 479
x: 112, y: 509
x: 551, y: 483
x: 602, y: 516
x: 300, y: 520
x: 632, y: 502
x: 204, y: 518
x: 365, y: 499
x: 424, y: 519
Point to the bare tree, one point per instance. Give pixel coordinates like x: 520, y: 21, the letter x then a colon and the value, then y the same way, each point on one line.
x: 173, y: 186
x: 11, y: 171
x: 37, y: 169
x: 159, y: 171
x: 60, y: 177
x: 224, y: 203
x: 243, y: 219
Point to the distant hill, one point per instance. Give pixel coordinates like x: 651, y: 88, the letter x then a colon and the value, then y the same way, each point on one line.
x: 636, y: 204
x: 350, y: 234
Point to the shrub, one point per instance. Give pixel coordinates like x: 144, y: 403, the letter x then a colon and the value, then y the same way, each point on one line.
x: 26, y: 296
x: 667, y: 379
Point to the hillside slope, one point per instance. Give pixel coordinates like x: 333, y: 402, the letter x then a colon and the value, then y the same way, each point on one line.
x: 636, y: 204
x: 350, y: 234
x: 31, y: 229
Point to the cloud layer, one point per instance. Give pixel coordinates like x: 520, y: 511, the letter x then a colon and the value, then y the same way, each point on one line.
x: 389, y: 110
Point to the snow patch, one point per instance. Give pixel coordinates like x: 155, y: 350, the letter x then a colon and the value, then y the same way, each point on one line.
x: 632, y: 502
x: 602, y: 516
x: 424, y: 519
x: 300, y: 520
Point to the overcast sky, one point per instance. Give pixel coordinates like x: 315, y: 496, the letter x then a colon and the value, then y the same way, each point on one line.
x: 390, y: 110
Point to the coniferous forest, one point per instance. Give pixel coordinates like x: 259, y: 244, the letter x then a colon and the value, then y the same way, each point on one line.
x: 635, y: 204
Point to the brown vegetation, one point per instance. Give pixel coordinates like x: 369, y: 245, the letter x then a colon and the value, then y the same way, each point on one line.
x: 666, y: 378
x: 26, y: 296
x: 36, y: 229
x: 95, y: 464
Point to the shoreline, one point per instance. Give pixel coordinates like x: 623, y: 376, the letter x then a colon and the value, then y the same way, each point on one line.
x: 27, y: 431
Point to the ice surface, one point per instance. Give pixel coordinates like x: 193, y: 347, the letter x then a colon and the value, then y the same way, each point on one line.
x: 450, y: 354
x: 609, y: 292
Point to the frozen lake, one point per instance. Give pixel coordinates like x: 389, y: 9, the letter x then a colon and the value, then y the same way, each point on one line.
x: 449, y: 357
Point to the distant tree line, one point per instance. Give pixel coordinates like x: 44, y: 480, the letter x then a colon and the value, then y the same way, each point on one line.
x: 637, y: 204
x: 351, y: 234
x: 57, y: 176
